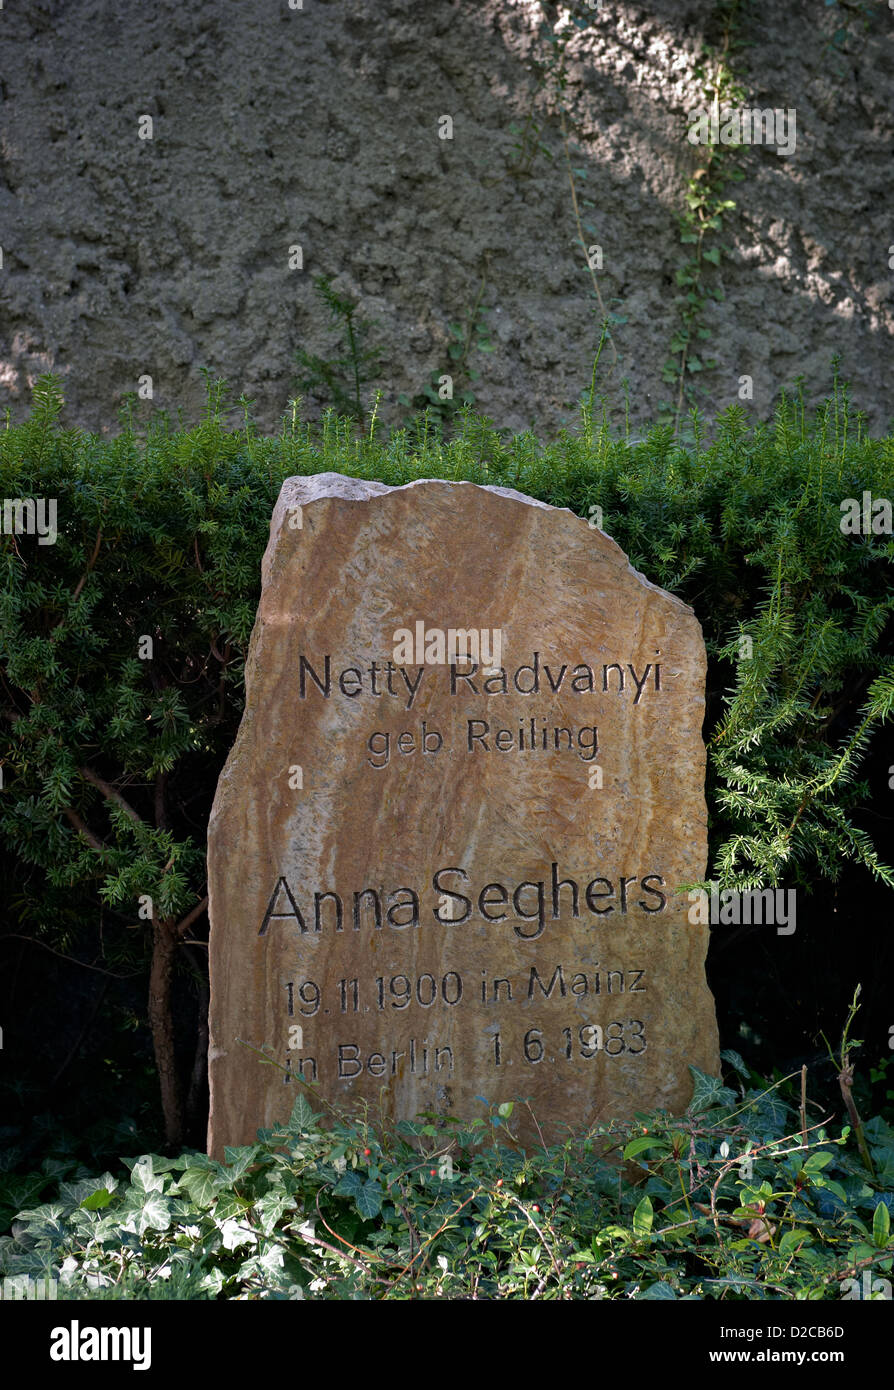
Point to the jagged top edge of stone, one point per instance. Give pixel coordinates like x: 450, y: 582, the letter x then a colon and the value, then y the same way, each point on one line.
x: 301, y: 489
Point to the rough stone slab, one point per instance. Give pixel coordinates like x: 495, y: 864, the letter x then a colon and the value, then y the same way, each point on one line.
x: 493, y: 988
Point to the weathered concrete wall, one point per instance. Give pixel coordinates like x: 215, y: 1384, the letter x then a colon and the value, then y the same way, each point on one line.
x: 319, y: 126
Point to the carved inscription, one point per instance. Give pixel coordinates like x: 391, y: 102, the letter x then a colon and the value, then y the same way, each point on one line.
x: 455, y: 895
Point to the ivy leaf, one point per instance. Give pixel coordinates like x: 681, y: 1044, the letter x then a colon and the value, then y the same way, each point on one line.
x: 201, y: 1184
x: 239, y: 1160
x: 154, y: 1214
x: 735, y: 1061
x: 708, y: 1091
x: 350, y: 1184
x: 213, y: 1282
x: 143, y: 1177
x: 772, y: 1110
x: 883, y: 1158
x: 660, y: 1290
x: 272, y: 1260
x: 369, y: 1200
x: 76, y: 1192
x: 303, y: 1117
x: 272, y: 1207
x: 98, y: 1199
x: 229, y: 1205
x: 44, y: 1220
x: 233, y: 1234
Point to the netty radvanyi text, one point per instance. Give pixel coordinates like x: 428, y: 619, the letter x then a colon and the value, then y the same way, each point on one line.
x: 383, y: 679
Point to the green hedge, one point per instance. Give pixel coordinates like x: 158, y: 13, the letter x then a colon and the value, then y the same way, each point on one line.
x: 110, y: 761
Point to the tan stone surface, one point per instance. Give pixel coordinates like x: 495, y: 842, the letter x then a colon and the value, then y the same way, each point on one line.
x: 366, y: 561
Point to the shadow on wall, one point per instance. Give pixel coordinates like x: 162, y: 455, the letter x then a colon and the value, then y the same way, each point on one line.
x: 162, y: 165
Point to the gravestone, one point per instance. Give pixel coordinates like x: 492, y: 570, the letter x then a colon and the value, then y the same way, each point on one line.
x: 444, y: 848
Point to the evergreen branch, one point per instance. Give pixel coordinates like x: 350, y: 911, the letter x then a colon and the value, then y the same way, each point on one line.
x: 186, y: 922
x: 111, y: 794
x: 83, y: 830
x: 90, y: 563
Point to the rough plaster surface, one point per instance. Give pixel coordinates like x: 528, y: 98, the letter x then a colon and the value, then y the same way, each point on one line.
x: 318, y: 126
